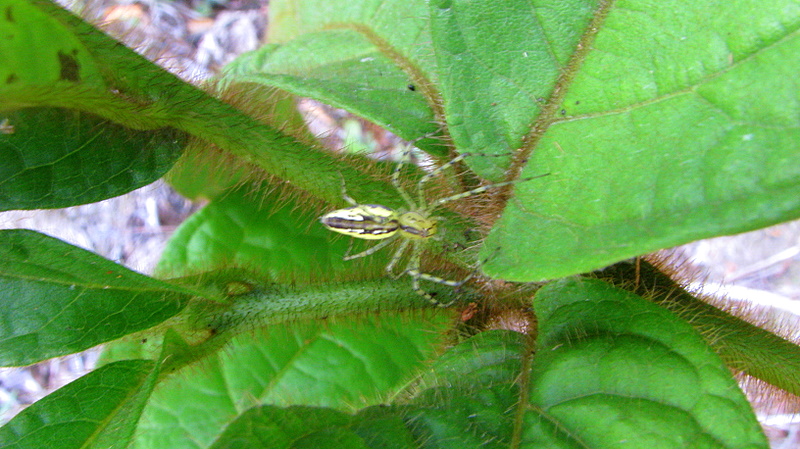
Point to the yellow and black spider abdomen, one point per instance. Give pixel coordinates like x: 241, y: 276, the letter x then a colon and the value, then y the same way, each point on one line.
x: 365, y: 221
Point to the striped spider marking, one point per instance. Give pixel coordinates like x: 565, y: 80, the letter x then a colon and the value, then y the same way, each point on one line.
x: 414, y: 226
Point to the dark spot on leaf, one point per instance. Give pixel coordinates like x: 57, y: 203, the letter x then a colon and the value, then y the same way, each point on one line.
x: 10, y: 14
x: 578, y: 102
x: 563, y: 112
x: 11, y: 78
x: 70, y: 68
x: 412, y: 87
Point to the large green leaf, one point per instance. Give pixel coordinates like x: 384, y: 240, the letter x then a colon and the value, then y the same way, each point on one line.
x: 54, y: 156
x: 58, y: 299
x: 269, y: 235
x: 609, y: 368
x: 612, y: 367
x: 59, y: 158
x: 310, y: 427
x: 657, y: 122
x: 87, y: 71
x: 675, y: 121
x: 499, y: 63
x: 99, y: 410
x: 344, y: 69
x: 344, y: 364
x: 371, y: 58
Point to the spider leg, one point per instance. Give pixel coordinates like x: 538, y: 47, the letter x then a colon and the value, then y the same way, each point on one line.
x: 406, y: 157
x: 446, y: 165
x: 435, y: 172
x: 474, y: 191
x: 416, y: 276
x: 349, y: 247
x: 427, y: 208
x: 429, y: 176
x: 396, y: 258
x: 413, y: 271
x: 369, y: 251
x: 347, y: 197
x: 448, y: 282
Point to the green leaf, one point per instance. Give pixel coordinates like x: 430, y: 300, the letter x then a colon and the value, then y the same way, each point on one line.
x: 59, y: 299
x: 402, y: 27
x: 272, y: 236
x: 54, y: 155
x: 609, y: 367
x: 470, y: 397
x: 653, y: 131
x: 670, y: 124
x: 59, y: 158
x: 75, y: 66
x: 743, y: 346
x: 138, y: 94
x: 612, y: 367
x: 372, y: 60
x: 604, y: 359
x: 499, y: 63
x: 343, y: 364
x: 60, y: 56
x: 344, y: 69
x: 99, y: 410
x: 308, y: 427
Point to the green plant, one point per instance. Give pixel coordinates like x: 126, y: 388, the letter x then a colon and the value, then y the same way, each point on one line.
x: 658, y: 123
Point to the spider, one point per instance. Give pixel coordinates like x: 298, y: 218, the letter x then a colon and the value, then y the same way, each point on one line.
x: 414, y: 226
